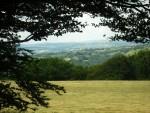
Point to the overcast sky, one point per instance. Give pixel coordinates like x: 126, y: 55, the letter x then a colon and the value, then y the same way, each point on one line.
x: 89, y: 33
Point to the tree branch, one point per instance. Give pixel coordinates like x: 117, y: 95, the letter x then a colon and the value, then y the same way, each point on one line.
x: 28, y: 38
x: 127, y: 4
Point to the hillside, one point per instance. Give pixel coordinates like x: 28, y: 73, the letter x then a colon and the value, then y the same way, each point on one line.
x: 85, y: 54
x: 92, y: 56
x: 47, y: 47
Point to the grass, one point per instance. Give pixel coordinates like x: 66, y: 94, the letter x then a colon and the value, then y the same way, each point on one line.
x: 100, y: 97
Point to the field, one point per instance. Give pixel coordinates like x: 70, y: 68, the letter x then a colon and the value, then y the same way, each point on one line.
x: 100, y: 97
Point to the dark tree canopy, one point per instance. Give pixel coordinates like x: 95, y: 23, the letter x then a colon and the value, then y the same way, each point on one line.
x: 43, y: 18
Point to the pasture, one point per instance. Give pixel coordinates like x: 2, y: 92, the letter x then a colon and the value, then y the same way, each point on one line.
x: 100, y: 97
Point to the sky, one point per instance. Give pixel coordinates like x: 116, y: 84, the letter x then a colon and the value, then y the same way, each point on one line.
x: 89, y: 33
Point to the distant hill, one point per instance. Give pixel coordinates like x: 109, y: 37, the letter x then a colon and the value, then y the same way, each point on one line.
x: 85, y: 54
x: 66, y: 47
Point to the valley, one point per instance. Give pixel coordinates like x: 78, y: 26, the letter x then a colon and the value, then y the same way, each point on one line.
x: 92, y: 56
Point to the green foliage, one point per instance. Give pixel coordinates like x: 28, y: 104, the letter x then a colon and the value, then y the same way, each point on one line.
x: 94, y: 56
x: 48, y: 69
x: 79, y: 73
x: 119, y: 67
x: 141, y: 63
x: 42, y: 18
x: 53, y: 69
x: 123, y: 67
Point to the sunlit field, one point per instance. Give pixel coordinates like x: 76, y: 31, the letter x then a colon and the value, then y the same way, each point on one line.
x: 100, y: 97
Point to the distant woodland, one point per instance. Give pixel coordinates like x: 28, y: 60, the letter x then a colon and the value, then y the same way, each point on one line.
x: 120, y: 67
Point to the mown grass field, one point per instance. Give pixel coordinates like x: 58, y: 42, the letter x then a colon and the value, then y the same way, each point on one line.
x: 100, y: 97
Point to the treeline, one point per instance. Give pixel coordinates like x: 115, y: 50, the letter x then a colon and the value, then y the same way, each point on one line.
x: 53, y: 69
x: 120, y: 67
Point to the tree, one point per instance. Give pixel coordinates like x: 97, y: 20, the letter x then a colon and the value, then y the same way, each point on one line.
x: 117, y: 68
x: 140, y: 63
x: 42, y: 18
x: 132, y: 21
x: 48, y: 69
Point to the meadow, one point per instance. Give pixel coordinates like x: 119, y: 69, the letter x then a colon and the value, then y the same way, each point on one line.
x: 100, y: 97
